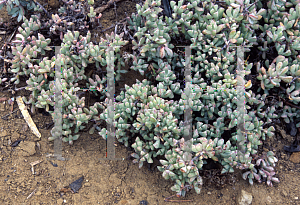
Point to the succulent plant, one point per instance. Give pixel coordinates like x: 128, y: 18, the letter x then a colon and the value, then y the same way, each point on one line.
x: 263, y: 169
x: 192, y: 62
x: 29, y: 50
x: 212, y: 31
x: 17, y: 8
x: 73, y: 15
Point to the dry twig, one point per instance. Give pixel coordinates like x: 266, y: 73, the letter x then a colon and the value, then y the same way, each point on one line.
x: 42, y: 8
x: 113, y: 25
x: 32, y: 193
x: 33, y: 164
x: 27, y: 117
x: 288, y: 103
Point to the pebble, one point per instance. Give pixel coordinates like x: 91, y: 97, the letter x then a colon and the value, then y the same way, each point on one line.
x: 76, y: 185
x: 244, y: 198
x: 26, y: 148
x: 269, y: 200
x: 296, y: 198
x: 144, y: 202
x: 209, y: 193
x: 59, y: 201
x: 123, y: 202
x: 3, y: 133
x: 295, y: 157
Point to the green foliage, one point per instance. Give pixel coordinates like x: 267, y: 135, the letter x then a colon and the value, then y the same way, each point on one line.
x: 213, y: 31
x: 204, y: 93
x: 17, y: 8
x: 30, y: 49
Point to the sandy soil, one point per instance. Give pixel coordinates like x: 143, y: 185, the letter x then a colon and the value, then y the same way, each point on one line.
x: 116, y: 182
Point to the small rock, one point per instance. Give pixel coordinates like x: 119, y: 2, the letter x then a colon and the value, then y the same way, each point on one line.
x: 26, y: 148
x: 38, y: 193
x: 295, y: 157
x: 144, y: 202
x: 3, y: 133
x: 76, y: 185
x: 209, y: 193
x: 269, y: 200
x: 123, y: 202
x: 296, y: 198
x: 60, y: 201
x: 284, y: 193
x: 244, y: 198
